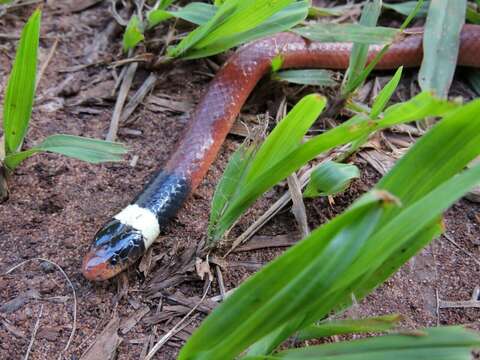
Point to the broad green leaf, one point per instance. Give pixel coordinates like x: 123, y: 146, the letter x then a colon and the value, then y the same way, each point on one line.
x: 359, y: 54
x: 406, y: 7
x: 17, y: 107
x: 196, y: 12
x: 441, y: 41
x: 473, y: 15
x: 385, y: 94
x: 342, y: 327
x: 86, y: 149
x: 281, y: 21
x: 248, y: 15
x: 133, y: 34
x: 287, y: 135
x: 357, y: 33
x: 315, y: 77
x: 157, y: 16
x: 441, y: 343
x: 230, y: 184
x: 330, y: 178
x: 267, y: 300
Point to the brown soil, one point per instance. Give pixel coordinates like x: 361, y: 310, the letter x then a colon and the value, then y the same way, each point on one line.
x: 57, y: 204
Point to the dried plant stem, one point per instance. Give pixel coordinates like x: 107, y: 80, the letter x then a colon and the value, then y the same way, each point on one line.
x: 3, y: 183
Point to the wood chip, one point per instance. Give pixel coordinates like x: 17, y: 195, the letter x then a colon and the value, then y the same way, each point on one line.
x: 263, y: 242
x: 164, y: 103
x: 106, y: 344
x: 128, y: 323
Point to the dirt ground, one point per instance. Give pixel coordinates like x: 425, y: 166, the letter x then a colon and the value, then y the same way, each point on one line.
x: 57, y: 204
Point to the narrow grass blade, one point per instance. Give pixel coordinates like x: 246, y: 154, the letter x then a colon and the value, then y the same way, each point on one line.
x: 330, y: 178
x: 442, y: 343
x: 357, y: 33
x: 385, y: 94
x: 358, y: 57
x: 281, y: 21
x: 196, y: 13
x: 343, y: 327
x: 20, y: 92
x: 441, y: 41
x: 314, y: 77
x: 15, y: 159
x: 133, y: 34
x: 90, y: 150
x: 157, y: 16
x: 287, y: 135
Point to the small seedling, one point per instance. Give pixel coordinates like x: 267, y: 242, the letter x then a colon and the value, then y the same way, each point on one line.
x: 17, y: 110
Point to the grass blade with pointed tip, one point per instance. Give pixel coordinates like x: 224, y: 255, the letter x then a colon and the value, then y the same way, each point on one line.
x: 20, y: 92
x: 315, y: 77
x: 385, y: 94
x: 86, y: 149
x: 343, y: 327
x: 357, y: 33
x: 133, y: 34
x: 406, y: 7
x: 441, y: 41
x: 330, y: 178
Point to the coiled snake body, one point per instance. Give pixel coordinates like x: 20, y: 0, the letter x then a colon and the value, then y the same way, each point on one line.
x: 125, y: 238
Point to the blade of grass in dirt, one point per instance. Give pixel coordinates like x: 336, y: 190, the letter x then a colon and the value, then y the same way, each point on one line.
x: 473, y: 78
x: 133, y: 34
x: 315, y: 11
x: 314, y: 77
x: 17, y: 107
x: 359, y: 54
x: 330, y: 178
x: 195, y: 12
x: 343, y: 327
x: 385, y: 94
x: 222, y: 336
x: 230, y: 183
x: 333, y: 257
x: 357, y: 81
x: 357, y: 33
x: 232, y: 17
x: 441, y: 343
x: 288, y: 133
x: 356, y: 128
x: 441, y: 41
x: 281, y: 21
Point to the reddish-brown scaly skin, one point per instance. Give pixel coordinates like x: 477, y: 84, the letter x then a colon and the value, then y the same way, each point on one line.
x: 215, y: 114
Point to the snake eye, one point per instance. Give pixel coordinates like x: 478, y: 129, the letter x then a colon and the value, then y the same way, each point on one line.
x: 114, y: 260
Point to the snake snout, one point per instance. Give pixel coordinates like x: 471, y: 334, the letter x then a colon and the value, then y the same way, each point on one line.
x: 115, y: 247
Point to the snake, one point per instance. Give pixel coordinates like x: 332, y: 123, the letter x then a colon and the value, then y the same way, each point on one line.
x: 126, y: 237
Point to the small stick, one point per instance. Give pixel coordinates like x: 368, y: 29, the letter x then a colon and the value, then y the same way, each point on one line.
x: 122, y: 96
x: 221, y: 285
x: 34, y: 333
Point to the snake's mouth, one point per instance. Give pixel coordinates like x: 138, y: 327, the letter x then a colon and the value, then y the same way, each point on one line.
x: 116, y: 246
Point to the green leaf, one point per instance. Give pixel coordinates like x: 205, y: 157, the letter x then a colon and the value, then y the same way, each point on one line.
x: 316, y: 11
x: 281, y: 21
x: 157, y: 16
x: 133, y: 34
x: 13, y: 160
x: 384, y: 96
x: 86, y: 149
x: 359, y: 54
x: 315, y: 77
x: 330, y: 178
x: 357, y: 33
x: 20, y: 92
x: 406, y: 7
x: 343, y: 327
x: 287, y: 135
x: 441, y: 343
x: 196, y: 13
x: 267, y: 300
x: 441, y: 41
x: 473, y: 15
x: 230, y: 184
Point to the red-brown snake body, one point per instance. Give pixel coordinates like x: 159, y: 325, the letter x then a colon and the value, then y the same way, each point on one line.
x: 126, y: 237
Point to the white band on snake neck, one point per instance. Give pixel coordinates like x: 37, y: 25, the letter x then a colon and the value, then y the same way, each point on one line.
x: 140, y: 219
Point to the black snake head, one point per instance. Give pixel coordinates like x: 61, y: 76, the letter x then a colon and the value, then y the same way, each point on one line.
x: 115, y: 247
